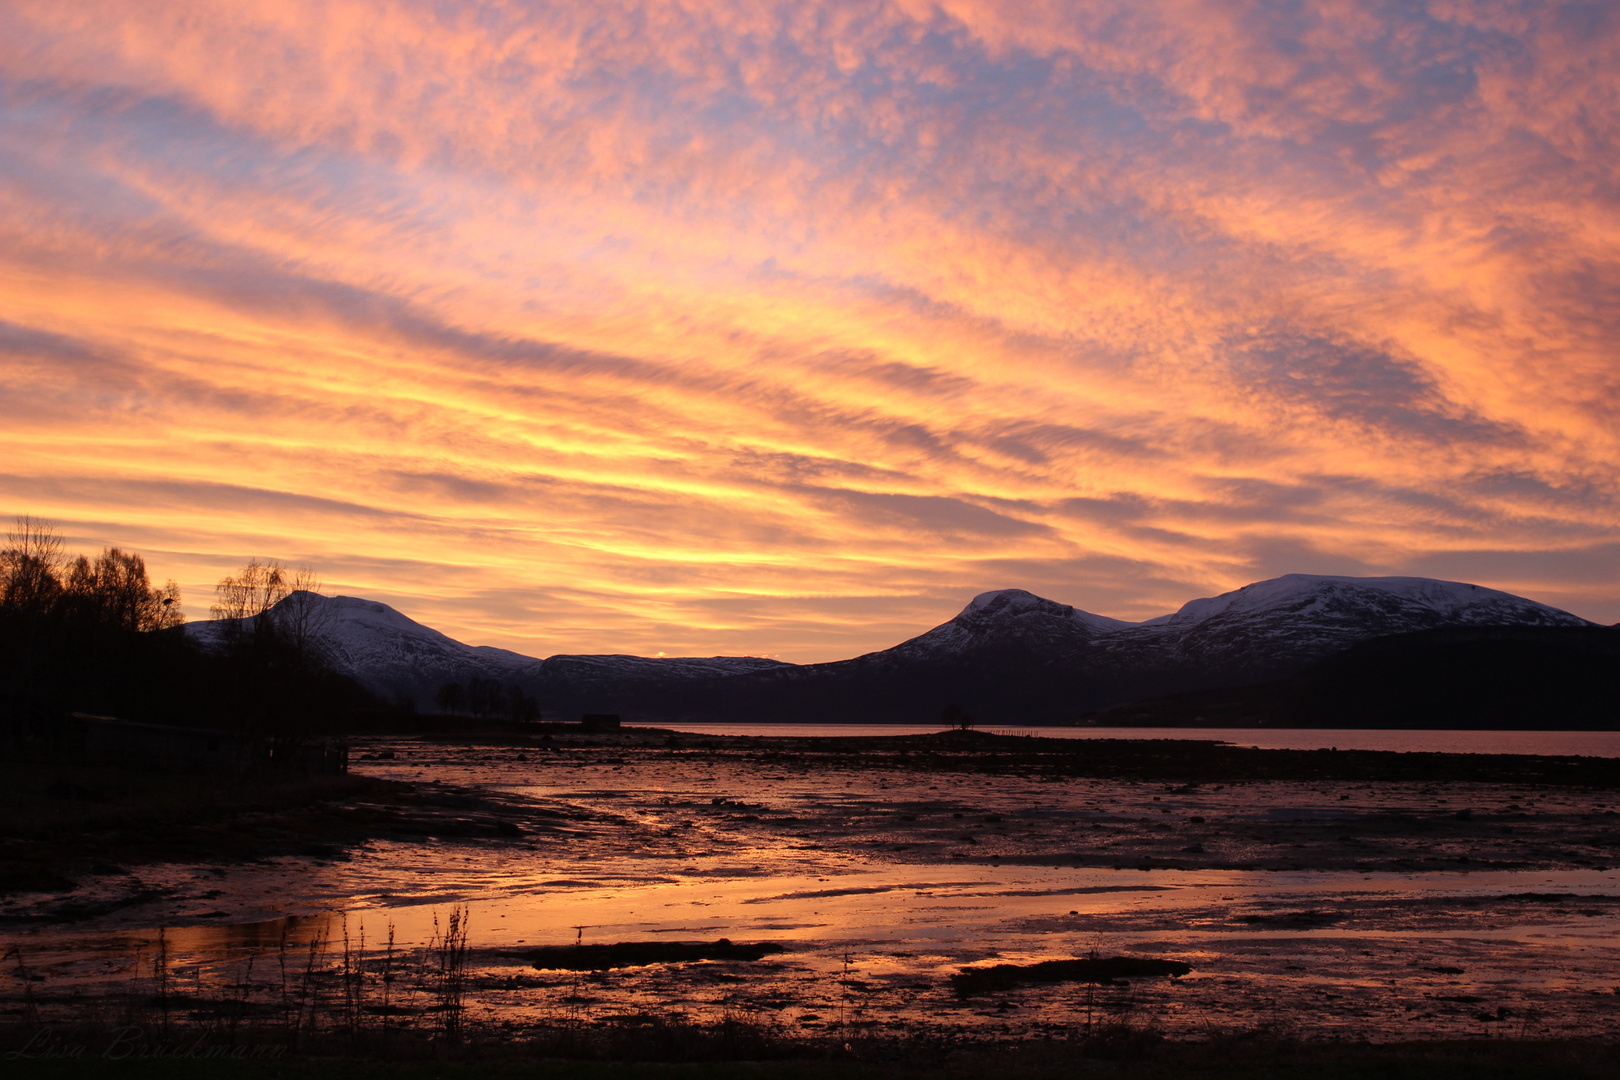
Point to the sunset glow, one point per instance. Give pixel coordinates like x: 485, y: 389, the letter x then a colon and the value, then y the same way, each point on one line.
x: 697, y: 327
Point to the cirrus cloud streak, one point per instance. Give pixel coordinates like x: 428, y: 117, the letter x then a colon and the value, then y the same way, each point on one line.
x: 722, y: 327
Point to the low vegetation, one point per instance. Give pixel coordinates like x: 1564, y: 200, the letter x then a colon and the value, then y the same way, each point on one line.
x: 319, y: 999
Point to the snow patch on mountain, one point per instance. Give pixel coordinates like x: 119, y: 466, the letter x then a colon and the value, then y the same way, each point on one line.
x: 1009, y: 649
x: 1419, y: 599
x: 1273, y: 627
x: 399, y: 658
x: 1017, y: 602
x: 1004, y: 617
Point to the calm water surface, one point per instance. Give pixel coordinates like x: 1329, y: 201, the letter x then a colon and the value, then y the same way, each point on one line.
x: 1583, y: 743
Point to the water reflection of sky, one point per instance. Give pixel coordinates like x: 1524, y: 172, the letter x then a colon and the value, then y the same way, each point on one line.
x: 1392, y: 942
x: 852, y: 877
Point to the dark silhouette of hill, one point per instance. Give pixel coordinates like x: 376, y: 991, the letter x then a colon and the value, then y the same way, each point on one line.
x: 1013, y: 658
x: 1490, y: 677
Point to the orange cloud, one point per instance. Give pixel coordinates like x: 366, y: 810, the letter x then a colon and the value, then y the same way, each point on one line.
x: 721, y: 327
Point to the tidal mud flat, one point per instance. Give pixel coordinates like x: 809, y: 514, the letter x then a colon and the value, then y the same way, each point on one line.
x: 852, y: 882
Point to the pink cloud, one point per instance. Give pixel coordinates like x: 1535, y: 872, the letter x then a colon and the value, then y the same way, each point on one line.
x: 728, y: 301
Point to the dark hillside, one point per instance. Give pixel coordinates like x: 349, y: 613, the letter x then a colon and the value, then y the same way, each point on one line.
x: 1494, y: 677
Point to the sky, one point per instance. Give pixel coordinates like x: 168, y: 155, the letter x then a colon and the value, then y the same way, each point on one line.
x: 785, y: 328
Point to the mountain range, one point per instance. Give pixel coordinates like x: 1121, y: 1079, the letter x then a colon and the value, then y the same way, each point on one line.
x: 1009, y: 657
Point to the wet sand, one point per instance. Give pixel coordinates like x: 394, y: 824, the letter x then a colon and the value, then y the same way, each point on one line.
x: 1306, y: 895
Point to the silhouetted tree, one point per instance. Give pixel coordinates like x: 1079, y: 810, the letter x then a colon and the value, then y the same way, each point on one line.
x: 953, y: 716
x: 303, y: 617
x: 485, y: 697
x: 520, y: 707
x: 113, y: 592
x: 278, y: 674
x: 450, y: 697
x: 31, y: 566
x: 80, y: 634
x: 92, y: 635
x: 258, y: 588
x: 268, y: 599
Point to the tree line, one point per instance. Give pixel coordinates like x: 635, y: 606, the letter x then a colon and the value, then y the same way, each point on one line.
x: 94, y: 635
x: 487, y: 699
x: 40, y: 584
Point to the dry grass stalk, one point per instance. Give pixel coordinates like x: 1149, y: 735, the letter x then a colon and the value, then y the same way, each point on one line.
x: 451, y: 950
x: 30, y: 1006
x: 160, y: 978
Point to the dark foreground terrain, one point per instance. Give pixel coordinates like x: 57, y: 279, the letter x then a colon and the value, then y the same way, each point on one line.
x: 938, y: 903
x: 1220, y: 1059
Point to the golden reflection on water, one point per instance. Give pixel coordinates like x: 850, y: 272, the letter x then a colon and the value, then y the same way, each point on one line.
x: 623, y: 865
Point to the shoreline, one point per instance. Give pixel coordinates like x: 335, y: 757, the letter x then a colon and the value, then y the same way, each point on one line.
x: 918, y: 856
x: 67, y: 821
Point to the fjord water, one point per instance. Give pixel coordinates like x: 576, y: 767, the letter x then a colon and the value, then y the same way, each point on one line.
x: 1434, y: 741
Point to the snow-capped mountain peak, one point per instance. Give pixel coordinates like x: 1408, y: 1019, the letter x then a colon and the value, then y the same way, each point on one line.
x: 1015, y: 603
x: 1423, y: 600
x: 401, y: 659
x: 352, y: 620
x: 1010, y: 615
x: 1008, y: 653
x: 1018, y: 599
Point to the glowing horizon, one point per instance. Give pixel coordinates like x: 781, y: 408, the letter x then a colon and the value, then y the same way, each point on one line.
x: 785, y: 329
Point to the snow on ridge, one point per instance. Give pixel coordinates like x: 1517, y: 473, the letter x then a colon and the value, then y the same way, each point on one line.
x: 1020, y: 601
x: 359, y: 628
x: 371, y: 615
x: 1450, y: 599
x: 360, y: 618
x: 1019, y: 598
x: 1425, y: 601
x: 1293, y: 615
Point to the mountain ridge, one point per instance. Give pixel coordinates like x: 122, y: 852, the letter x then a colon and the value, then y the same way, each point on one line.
x: 1007, y: 656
